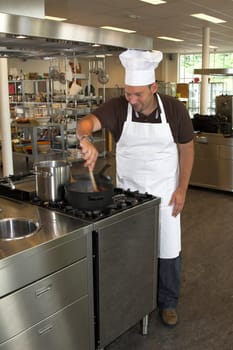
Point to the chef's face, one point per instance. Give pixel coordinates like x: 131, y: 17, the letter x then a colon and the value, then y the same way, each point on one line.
x: 141, y: 97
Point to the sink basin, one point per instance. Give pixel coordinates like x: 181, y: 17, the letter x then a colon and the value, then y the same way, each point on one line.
x: 17, y: 228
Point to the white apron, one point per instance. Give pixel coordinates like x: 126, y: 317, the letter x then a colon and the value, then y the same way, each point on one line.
x: 147, y: 161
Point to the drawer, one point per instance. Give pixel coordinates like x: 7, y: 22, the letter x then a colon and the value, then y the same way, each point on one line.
x: 33, y: 264
x: 70, y: 329
x: 31, y: 304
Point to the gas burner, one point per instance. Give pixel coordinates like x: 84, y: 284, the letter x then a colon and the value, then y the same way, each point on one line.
x: 122, y: 200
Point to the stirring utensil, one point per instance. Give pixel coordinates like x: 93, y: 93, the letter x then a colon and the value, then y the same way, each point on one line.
x: 72, y: 179
x: 95, y: 188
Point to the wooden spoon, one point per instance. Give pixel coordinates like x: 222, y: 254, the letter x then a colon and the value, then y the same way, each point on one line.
x: 72, y: 180
x: 95, y: 188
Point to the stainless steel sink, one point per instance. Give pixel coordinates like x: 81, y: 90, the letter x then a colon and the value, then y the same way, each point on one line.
x: 17, y: 228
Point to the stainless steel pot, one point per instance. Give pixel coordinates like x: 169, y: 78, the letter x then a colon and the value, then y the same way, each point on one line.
x: 51, y: 176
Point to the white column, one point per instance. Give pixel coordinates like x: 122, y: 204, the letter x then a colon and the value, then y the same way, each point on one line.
x: 205, y: 64
x: 5, y: 122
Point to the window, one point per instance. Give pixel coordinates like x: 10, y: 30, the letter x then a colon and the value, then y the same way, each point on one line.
x: 217, y: 84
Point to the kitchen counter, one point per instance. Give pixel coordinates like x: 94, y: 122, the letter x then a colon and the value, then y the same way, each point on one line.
x: 46, y: 282
x: 53, y: 225
x: 60, y: 241
x: 213, y: 162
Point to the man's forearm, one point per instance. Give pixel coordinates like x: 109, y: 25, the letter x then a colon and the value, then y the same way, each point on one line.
x: 186, y: 152
x: 87, y: 125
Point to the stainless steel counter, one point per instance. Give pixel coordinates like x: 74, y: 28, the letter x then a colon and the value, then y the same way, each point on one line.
x: 213, y: 163
x: 52, y: 226
x: 46, y: 290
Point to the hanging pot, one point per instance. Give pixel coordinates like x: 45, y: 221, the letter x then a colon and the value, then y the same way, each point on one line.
x: 80, y: 194
x: 51, y: 176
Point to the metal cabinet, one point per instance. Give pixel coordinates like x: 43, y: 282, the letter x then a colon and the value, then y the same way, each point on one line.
x: 41, y: 299
x: 213, y: 163
x: 66, y: 329
x: 47, y: 296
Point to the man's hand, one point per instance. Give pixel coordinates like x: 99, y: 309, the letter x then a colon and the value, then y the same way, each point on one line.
x: 89, y: 153
x: 177, y: 200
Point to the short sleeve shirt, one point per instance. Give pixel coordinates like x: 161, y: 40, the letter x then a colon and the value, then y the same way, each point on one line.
x: 113, y: 114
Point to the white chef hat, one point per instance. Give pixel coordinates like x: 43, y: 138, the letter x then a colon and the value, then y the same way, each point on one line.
x: 140, y: 66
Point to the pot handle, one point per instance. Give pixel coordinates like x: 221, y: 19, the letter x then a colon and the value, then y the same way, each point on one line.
x: 42, y: 173
x: 95, y: 197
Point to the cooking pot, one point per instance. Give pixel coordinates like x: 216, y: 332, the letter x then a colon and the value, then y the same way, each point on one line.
x: 51, y: 176
x: 80, y: 194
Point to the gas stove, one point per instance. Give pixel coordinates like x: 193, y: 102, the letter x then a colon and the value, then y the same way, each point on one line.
x: 121, y: 201
x: 124, y: 247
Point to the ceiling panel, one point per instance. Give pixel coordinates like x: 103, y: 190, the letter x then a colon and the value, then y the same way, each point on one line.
x: 170, y: 19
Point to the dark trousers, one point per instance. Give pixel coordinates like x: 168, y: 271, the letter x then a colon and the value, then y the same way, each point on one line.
x: 169, y: 271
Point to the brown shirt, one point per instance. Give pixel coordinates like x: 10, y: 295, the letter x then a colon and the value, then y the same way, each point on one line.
x: 113, y: 114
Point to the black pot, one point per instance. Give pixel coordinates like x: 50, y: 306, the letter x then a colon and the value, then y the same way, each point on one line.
x: 80, y: 194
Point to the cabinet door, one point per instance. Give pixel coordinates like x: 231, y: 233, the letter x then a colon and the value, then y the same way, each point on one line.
x: 68, y: 329
x: 206, y: 164
x: 30, y: 305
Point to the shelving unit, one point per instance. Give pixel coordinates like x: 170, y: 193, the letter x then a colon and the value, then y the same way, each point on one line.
x: 39, y: 96
x: 31, y: 132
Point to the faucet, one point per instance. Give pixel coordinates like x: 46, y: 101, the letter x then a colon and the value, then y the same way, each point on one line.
x: 10, y: 182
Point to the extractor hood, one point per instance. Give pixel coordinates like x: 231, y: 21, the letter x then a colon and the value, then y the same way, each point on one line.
x: 50, y: 38
x: 214, y: 71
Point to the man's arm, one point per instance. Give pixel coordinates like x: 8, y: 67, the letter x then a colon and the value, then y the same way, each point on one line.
x: 85, y: 127
x: 186, y: 157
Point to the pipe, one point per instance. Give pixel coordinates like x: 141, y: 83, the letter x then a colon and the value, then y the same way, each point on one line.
x: 205, y: 64
x: 5, y: 122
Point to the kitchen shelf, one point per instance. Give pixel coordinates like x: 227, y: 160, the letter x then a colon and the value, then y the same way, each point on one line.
x: 29, y: 94
x: 31, y: 132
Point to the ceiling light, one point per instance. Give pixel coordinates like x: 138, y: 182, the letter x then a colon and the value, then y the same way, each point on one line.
x: 119, y: 29
x: 134, y: 16
x: 154, y: 2
x: 210, y: 46
x: 208, y: 18
x: 169, y: 38
x: 95, y: 45
x: 52, y: 18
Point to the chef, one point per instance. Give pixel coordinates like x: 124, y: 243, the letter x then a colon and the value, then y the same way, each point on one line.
x: 154, y: 154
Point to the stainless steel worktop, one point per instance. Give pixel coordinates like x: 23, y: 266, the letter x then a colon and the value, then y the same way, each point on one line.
x: 60, y: 241
x: 52, y: 226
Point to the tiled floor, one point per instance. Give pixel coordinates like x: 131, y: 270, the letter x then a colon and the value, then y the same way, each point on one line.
x: 206, y: 301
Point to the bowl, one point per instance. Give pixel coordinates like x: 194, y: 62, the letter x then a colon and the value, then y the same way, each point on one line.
x: 19, y: 148
x: 42, y: 120
x: 43, y: 148
x: 71, y: 140
x: 27, y: 149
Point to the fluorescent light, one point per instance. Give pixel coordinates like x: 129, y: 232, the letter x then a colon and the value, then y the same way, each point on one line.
x: 169, y: 38
x: 210, y: 46
x: 55, y: 18
x: 21, y: 37
x: 119, y: 29
x: 155, y: 2
x: 208, y: 18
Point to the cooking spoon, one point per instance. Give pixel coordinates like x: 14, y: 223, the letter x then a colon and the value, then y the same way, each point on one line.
x: 95, y: 188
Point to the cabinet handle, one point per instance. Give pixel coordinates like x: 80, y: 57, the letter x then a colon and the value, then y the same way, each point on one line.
x: 43, y: 290
x: 46, y: 329
x: 202, y: 139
